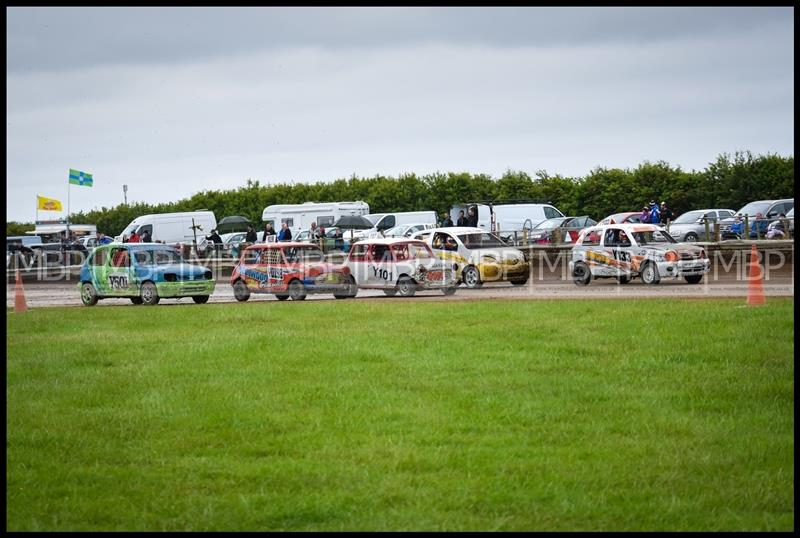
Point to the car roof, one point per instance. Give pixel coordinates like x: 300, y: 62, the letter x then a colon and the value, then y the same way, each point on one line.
x: 388, y: 240
x: 632, y: 226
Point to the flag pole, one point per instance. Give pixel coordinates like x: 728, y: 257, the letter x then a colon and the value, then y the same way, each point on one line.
x: 68, y: 191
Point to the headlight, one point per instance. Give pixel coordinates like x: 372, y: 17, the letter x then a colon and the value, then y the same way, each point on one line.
x: 671, y: 256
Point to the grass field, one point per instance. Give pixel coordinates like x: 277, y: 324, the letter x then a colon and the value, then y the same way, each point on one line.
x: 402, y: 415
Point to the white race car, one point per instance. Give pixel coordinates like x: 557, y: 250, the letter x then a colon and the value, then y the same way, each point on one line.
x: 624, y: 251
x: 399, y: 266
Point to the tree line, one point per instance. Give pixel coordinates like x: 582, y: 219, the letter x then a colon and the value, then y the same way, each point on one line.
x: 729, y: 182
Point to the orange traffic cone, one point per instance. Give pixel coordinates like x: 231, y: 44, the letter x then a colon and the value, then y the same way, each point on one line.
x: 19, y: 299
x: 755, y: 290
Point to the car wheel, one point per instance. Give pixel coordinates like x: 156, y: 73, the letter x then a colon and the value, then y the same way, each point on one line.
x: 406, y: 287
x: 581, y: 274
x: 693, y: 279
x: 297, y: 291
x: 691, y: 237
x: 136, y: 300
x: 240, y: 291
x: 390, y: 292
x: 623, y: 279
x: 472, y: 277
x: 650, y: 274
x: 149, y: 294
x: 88, y: 294
x: 281, y: 296
x: 449, y: 291
x: 520, y: 281
x: 200, y: 299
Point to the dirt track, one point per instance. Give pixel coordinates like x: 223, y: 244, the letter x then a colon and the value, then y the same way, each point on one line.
x: 777, y: 283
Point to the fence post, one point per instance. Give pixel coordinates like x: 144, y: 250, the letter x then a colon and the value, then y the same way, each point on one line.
x: 716, y: 232
x: 708, y: 235
x: 557, y: 236
x: 746, y: 233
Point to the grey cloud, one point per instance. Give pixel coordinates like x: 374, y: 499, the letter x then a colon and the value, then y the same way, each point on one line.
x: 66, y: 38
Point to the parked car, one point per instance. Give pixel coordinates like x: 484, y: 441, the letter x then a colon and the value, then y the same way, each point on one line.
x: 289, y: 269
x: 691, y: 226
x: 790, y: 216
x: 143, y: 272
x: 399, y: 266
x: 768, y: 209
x: 569, y: 228
x: 624, y: 251
x: 406, y: 230
x: 628, y: 217
x: 477, y: 256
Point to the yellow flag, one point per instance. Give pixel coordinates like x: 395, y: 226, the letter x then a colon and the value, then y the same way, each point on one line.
x: 48, y: 204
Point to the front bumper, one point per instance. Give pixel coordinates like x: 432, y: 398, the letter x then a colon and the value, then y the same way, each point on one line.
x: 683, y: 268
x: 185, y: 288
x: 503, y: 271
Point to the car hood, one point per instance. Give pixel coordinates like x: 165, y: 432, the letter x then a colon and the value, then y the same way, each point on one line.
x: 680, y: 248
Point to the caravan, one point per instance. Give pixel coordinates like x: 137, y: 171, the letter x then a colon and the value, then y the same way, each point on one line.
x: 298, y: 217
x: 172, y: 227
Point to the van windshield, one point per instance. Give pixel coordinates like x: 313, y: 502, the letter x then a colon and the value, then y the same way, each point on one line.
x: 374, y: 218
x: 481, y: 240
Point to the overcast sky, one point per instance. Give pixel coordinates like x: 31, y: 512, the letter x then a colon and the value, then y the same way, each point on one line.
x: 172, y: 101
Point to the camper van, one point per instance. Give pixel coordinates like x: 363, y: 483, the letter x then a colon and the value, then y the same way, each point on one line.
x: 172, y: 227
x: 386, y: 221
x: 502, y: 218
x: 300, y: 216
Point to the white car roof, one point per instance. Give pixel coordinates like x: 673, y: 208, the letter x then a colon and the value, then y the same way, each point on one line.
x: 628, y: 227
x: 386, y: 240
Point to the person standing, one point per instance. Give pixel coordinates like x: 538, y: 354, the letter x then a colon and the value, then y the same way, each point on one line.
x: 655, y: 214
x: 285, y: 233
x: 251, y: 236
x: 268, y: 230
x: 472, y: 217
x: 146, y: 237
x: 644, y: 216
x: 447, y: 222
x: 666, y: 213
x: 135, y: 238
x: 462, y: 220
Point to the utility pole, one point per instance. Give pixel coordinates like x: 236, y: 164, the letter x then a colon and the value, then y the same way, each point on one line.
x: 125, y: 193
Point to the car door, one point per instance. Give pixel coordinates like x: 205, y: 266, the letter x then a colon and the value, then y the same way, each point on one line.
x: 118, y: 279
x: 380, y: 266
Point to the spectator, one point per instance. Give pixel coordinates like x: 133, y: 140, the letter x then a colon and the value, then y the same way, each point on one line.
x: 146, y: 237
x: 655, y: 214
x: 338, y: 239
x: 776, y: 228
x: 103, y: 239
x: 737, y: 228
x: 759, y: 227
x: 134, y: 238
x: 251, y: 236
x: 472, y: 217
x: 447, y: 222
x: 645, y: 215
x: 314, y: 233
x: 268, y: 230
x: 666, y: 213
x: 285, y: 233
x: 462, y: 220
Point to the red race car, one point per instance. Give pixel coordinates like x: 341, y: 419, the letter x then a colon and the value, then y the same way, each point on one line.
x: 290, y: 269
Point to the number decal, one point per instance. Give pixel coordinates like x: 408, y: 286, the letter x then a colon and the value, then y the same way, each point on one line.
x: 118, y: 282
x: 382, y: 274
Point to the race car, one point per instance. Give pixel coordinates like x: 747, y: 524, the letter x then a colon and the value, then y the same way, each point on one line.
x: 143, y: 272
x: 289, y: 269
x: 624, y: 251
x: 399, y: 266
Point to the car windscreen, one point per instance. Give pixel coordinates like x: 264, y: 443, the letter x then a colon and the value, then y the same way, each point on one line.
x: 303, y: 254
x: 754, y: 207
x: 690, y: 216
x: 550, y: 223
x: 481, y: 240
x: 650, y: 237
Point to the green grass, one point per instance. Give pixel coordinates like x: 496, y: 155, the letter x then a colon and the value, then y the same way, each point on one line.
x: 402, y: 415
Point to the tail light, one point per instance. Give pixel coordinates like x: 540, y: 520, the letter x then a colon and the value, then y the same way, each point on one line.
x: 314, y: 271
x: 345, y: 270
x: 671, y: 256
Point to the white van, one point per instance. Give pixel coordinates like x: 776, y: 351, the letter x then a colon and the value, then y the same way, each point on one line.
x: 386, y: 221
x: 300, y: 216
x: 502, y: 218
x: 172, y: 227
